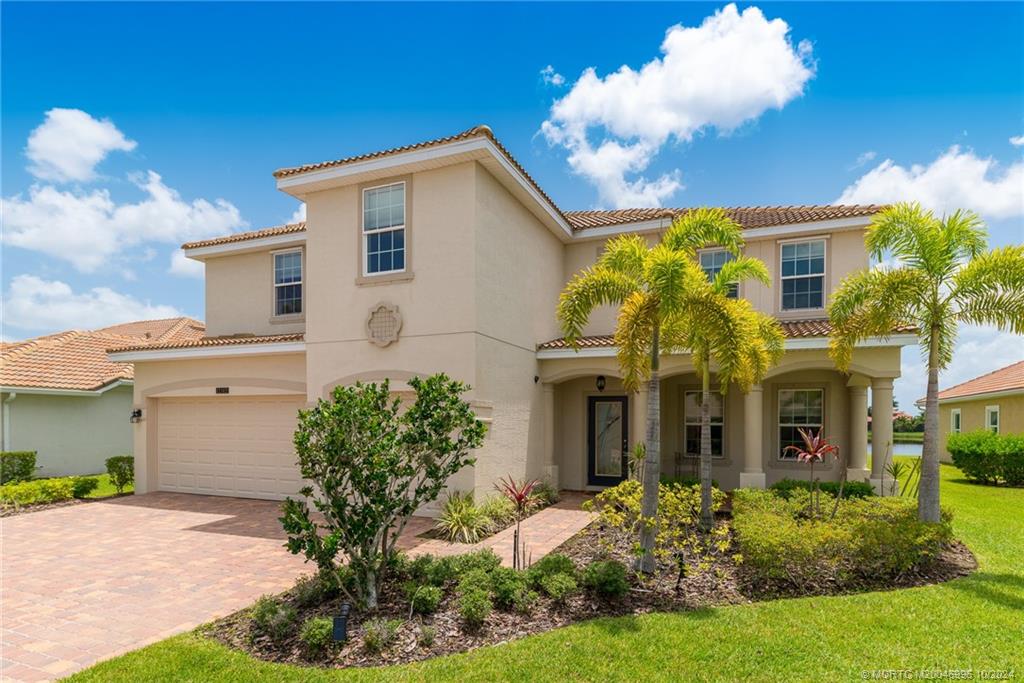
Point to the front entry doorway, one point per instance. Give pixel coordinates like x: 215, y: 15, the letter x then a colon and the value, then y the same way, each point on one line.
x: 607, y: 440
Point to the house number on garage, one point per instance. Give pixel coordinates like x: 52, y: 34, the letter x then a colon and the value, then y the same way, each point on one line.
x: 222, y: 390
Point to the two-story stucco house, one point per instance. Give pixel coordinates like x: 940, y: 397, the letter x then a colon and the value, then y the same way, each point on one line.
x: 447, y: 256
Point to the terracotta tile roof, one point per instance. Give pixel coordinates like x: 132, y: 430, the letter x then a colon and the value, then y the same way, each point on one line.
x: 202, y: 342
x: 77, y: 360
x: 748, y: 217
x: 794, y: 329
x: 1010, y: 378
x: 251, y: 235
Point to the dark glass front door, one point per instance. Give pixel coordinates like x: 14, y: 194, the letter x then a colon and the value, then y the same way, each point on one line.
x: 607, y: 440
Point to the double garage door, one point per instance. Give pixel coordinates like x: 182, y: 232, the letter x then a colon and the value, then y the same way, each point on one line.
x: 228, y: 446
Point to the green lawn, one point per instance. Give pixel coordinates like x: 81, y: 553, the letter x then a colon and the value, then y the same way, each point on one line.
x: 106, y: 489
x: 905, y: 437
x: 972, y: 623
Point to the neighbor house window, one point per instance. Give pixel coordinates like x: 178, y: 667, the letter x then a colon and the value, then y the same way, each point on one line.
x: 384, y: 229
x: 992, y: 419
x: 712, y: 262
x: 288, y: 283
x: 803, y: 275
x: 954, y: 420
x: 799, y: 409
x: 691, y: 423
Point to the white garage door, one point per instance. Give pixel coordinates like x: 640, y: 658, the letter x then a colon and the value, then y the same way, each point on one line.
x: 228, y: 445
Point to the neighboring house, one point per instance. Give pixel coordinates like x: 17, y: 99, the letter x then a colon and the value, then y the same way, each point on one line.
x: 447, y: 256
x: 994, y: 401
x: 65, y: 399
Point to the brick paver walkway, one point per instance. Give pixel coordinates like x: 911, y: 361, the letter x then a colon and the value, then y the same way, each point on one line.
x: 84, y: 583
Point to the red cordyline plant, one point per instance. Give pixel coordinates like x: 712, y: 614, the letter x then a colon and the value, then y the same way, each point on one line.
x: 521, y: 495
x: 815, y: 449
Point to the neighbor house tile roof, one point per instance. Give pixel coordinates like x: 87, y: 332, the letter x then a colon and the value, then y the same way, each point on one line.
x: 1010, y: 378
x: 251, y: 235
x: 202, y: 342
x: 793, y: 329
x: 77, y: 360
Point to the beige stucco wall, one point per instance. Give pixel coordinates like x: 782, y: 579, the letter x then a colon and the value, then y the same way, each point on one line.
x: 972, y: 417
x: 71, y: 434
x: 240, y: 296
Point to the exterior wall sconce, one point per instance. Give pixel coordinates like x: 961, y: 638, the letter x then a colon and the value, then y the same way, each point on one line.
x: 600, y: 382
x: 136, y: 415
x: 340, y: 632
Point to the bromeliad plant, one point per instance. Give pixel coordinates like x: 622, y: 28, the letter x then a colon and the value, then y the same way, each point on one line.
x: 520, y: 493
x: 371, y: 466
x: 815, y: 449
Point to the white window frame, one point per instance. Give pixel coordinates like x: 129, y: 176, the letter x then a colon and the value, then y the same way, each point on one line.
x: 365, y: 239
x: 824, y: 273
x: 301, y: 282
x: 991, y: 410
x: 686, y: 423
x: 715, y: 250
x: 779, y: 424
x: 955, y: 421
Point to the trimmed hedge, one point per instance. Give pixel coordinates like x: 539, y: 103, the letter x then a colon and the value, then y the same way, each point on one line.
x: 37, y: 492
x: 121, y: 469
x: 83, y: 486
x: 851, y: 489
x: 16, y: 466
x: 989, y: 458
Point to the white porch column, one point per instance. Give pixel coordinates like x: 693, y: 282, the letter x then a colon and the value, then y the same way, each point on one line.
x: 857, y: 458
x: 881, y: 430
x: 753, y: 475
x: 550, y: 463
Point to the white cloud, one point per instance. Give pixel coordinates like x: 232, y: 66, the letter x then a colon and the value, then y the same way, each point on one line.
x: 32, y: 303
x: 86, y: 228
x: 1017, y: 140
x: 721, y: 74
x: 957, y: 179
x: 186, y: 267
x: 979, y: 350
x: 552, y: 77
x: 864, y: 158
x: 70, y: 143
x: 299, y: 215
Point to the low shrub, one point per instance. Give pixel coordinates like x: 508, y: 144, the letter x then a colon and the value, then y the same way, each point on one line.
x: 379, y: 634
x: 507, y: 586
x: 121, y: 469
x: 989, y: 458
x: 525, y: 601
x: 427, y: 636
x: 545, y: 493
x: 851, y: 489
x: 16, y: 466
x: 474, y: 607
x: 474, y: 579
x: 37, y: 492
x: 558, y: 586
x: 317, y: 635
x: 441, y: 571
x: 688, y: 480
x: 607, y: 578
x: 426, y: 599
x: 313, y: 590
x: 273, y: 618
x: 549, y: 565
x: 870, y: 539
x: 485, y: 560
x: 500, y: 511
x: 83, y: 486
x: 461, y: 520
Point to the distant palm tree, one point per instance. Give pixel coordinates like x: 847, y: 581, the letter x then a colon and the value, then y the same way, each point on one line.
x: 945, y: 276
x: 661, y: 292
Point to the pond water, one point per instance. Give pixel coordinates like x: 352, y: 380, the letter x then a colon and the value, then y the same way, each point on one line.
x: 913, y: 449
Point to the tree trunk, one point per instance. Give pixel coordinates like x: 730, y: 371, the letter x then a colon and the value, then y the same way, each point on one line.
x: 652, y: 460
x: 371, y: 591
x: 928, y: 492
x: 707, y: 516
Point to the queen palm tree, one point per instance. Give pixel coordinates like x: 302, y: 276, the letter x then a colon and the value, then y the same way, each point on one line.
x: 661, y: 291
x: 945, y: 276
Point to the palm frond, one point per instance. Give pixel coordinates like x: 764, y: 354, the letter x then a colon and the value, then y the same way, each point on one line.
x: 588, y: 289
x: 704, y: 227
x: 989, y: 290
x: 965, y: 234
x: 670, y: 275
x: 625, y: 254
x: 912, y: 234
x: 634, y: 334
x: 739, y: 269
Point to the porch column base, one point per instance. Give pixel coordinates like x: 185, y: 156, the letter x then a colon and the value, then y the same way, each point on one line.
x: 753, y: 480
x: 891, y: 488
x: 858, y: 474
x: 551, y: 475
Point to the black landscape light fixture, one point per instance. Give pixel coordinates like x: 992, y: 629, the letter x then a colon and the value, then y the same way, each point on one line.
x: 341, y: 624
x: 136, y: 415
x: 600, y: 382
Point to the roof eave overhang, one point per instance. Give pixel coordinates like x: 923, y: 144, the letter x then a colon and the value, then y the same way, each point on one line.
x: 980, y: 396
x: 480, y: 149
x: 789, y: 229
x: 49, y: 391
x: 291, y: 239
x: 199, y: 352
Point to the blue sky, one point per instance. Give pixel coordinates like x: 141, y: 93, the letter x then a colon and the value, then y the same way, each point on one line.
x: 216, y: 96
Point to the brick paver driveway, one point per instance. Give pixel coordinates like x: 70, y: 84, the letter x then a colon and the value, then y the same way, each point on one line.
x: 87, y: 582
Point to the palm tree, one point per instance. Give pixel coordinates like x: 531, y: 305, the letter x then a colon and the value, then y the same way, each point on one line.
x: 945, y: 276
x: 660, y: 290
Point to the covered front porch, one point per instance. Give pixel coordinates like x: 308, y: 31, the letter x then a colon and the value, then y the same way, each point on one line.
x: 592, y: 423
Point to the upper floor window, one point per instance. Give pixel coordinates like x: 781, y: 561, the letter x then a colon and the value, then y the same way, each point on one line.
x: 799, y: 409
x: 691, y: 421
x: 288, y: 282
x: 712, y: 261
x: 954, y: 420
x: 384, y: 229
x: 992, y: 419
x: 803, y: 275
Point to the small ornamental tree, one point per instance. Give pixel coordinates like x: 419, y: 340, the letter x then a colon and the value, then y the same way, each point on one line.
x: 371, y: 466
x: 520, y: 493
x: 814, y: 449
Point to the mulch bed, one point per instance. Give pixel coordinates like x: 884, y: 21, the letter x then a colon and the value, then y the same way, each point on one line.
x: 724, y: 583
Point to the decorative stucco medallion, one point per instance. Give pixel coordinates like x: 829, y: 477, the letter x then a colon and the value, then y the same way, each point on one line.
x: 383, y: 324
